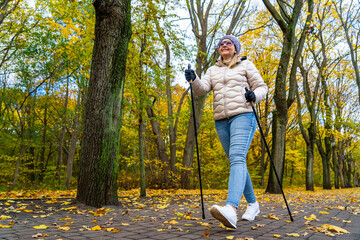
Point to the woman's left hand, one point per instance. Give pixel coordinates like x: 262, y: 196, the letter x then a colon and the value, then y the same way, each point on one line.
x: 250, y: 96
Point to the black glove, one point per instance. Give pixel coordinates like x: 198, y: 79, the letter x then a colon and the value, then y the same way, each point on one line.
x: 190, y: 74
x: 250, y: 95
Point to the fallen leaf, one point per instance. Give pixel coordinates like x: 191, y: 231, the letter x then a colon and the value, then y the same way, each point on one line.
x: 42, y: 226
x: 293, y: 234
x: 206, y: 234
x: 334, y: 229
x: 5, y: 226
x: 230, y: 237
x: 96, y: 228
x: 276, y: 235
x: 64, y: 228
x: 323, y: 212
x: 272, y: 216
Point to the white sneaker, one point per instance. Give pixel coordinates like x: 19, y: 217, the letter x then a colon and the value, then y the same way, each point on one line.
x: 251, y: 212
x: 226, y: 215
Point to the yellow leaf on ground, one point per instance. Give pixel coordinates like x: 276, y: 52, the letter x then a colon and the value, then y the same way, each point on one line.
x: 230, y: 237
x: 334, y: 229
x: 272, y: 216
x: 160, y: 230
x: 64, y: 228
x: 5, y: 226
x: 173, y: 222
x: 42, y: 226
x: 293, y: 234
x: 125, y: 224
x: 344, y: 221
x: 276, y: 235
x: 96, y: 228
x: 4, y: 217
x: 323, y: 212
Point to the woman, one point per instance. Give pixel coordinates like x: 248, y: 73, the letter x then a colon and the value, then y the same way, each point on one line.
x: 235, y: 122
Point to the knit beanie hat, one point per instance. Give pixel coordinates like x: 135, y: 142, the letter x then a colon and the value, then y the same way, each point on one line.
x: 235, y: 42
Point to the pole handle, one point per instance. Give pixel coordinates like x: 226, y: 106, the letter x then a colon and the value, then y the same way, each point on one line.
x: 251, y: 103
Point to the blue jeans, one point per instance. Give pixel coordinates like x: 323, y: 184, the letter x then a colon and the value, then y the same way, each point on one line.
x: 236, y: 134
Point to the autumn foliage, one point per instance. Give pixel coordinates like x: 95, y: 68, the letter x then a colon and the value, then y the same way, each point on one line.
x: 45, y: 59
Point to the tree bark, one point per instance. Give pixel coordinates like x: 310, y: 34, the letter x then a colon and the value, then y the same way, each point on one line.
x: 97, y: 183
x: 62, y: 134
x: 72, y: 147
x: 160, y: 146
x: 287, y: 24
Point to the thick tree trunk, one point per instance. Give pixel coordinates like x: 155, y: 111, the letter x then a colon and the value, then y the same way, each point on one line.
x: 97, y: 184
x: 278, y: 152
x: 190, y: 142
x: 287, y: 23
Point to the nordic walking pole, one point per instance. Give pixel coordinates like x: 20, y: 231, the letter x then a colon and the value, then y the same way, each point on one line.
x: 197, y: 146
x: 268, y: 151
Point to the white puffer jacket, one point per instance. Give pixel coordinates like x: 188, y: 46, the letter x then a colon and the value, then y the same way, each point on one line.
x: 228, y: 86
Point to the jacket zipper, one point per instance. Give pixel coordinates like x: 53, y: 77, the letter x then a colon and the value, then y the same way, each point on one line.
x: 225, y: 86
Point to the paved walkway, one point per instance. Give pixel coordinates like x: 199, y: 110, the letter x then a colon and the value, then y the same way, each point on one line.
x: 179, y: 217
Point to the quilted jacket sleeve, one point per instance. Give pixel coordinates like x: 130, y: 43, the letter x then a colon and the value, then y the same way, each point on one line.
x: 202, y: 86
x: 256, y: 82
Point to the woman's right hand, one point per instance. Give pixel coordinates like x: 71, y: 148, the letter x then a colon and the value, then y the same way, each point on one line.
x: 190, y: 74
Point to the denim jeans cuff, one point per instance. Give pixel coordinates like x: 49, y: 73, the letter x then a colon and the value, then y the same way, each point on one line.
x: 232, y: 204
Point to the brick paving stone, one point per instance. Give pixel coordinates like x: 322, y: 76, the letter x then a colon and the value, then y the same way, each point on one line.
x: 149, y: 219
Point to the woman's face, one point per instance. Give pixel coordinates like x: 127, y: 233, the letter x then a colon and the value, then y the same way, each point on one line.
x: 227, y: 49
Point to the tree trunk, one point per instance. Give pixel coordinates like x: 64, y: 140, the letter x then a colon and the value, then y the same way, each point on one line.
x: 263, y: 164
x: 160, y: 144
x: 62, y: 135
x: 141, y: 156
x: 97, y: 184
x: 72, y: 147
x: 43, y: 147
x: 335, y: 166
x: 282, y: 102
x: 310, y: 160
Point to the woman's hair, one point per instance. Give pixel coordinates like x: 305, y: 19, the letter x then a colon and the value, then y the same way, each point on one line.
x: 233, y: 61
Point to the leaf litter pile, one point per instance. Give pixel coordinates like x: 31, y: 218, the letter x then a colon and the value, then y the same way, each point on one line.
x: 55, y: 214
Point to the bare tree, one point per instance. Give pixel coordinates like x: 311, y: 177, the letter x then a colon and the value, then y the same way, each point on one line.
x: 287, y: 17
